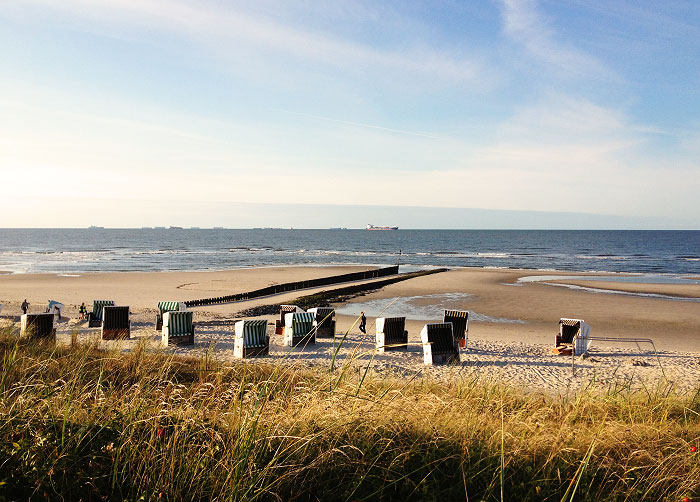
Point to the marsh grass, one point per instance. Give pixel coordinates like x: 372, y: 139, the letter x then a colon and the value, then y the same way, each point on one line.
x: 78, y: 423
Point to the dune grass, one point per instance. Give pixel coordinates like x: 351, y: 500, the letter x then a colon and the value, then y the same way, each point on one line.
x: 78, y: 423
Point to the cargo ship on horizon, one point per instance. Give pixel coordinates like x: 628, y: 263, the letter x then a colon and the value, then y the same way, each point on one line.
x: 372, y: 227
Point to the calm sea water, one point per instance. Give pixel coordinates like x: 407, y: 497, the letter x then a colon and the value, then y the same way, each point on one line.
x: 74, y: 251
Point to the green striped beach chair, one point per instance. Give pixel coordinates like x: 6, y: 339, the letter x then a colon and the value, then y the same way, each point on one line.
x: 439, y: 345
x: 116, y: 324
x: 390, y: 333
x: 324, y: 322
x: 37, y: 326
x: 178, y: 328
x: 251, y: 339
x: 299, y: 329
x: 95, y: 317
x: 164, y: 307
x: 460, y: 325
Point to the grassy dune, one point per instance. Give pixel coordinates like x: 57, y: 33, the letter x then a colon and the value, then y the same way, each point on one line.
x: 84, y: 424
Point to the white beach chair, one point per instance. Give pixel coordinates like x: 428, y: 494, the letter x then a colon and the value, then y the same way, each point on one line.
x: 575, y: 332
x: 439, y: 345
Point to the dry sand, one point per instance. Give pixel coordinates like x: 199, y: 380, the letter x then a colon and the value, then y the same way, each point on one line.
x: 519, y: 352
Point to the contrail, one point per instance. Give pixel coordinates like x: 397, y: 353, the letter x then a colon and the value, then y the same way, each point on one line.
x: 359, y: 124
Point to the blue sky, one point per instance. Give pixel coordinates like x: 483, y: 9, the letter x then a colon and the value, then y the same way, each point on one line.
x: 586, y: 107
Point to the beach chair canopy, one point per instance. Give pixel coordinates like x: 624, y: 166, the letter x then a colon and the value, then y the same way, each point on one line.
x: 440, y: 336
x: 164, y: 307
x: 98, y: 306
x: 300, y: 322
x: 322, y: 315
x: 178, y: 323
x: 286, y: 309
x: 575, y: 332
x: 459, y: 320
x: 37, y: 325
x: 392, y: 327
x: 253, y: 332
x: 115, y: 317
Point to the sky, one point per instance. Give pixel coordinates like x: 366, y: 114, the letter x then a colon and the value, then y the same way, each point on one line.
x: 492, y: 114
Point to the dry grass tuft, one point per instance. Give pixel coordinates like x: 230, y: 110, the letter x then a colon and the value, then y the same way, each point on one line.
x: 82, y: 424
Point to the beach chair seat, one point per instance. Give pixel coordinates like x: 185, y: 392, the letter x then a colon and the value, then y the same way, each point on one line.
x: 178, y: 328
x: 390, y: 333
x: 439, y: 344
x: 164, y: 307
x: 37, y: 326
x: 116, y: 324
x: 324, y: 321
x: 251, y: 339
x: 299, y: 329
x: 460, y: 325
x: 284, y: 310
x: 95, y: 317
x: 573, y: 333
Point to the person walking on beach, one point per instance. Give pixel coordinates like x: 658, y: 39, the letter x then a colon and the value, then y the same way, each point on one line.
x: 82, y: 310
x: 25, y: 306
x: 363, y: 322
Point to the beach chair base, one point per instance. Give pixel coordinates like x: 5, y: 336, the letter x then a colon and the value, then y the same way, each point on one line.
x: 279, y: 328
x: 37, y: 326
x: 326, y: 332
x: 247, y: 352
x: 294, y: 341
x: 383, y: 344
x: 159, y: 323
x: 462, y: 342
x: 116, y: 334
x: 443, y: 358
x: 179, y: 340
x: 94, y: 323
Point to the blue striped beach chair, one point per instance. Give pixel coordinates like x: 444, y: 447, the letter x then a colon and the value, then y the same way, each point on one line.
x: 251, y: 339
x: 95, y: 317
x: 37, y: 326
x: 116, y: 323
x: 324, y: 321
x: 390, y: 333
x: 178, y: 328
x: 299, y: 329
x: 460, y: 325
x: 439, y: 345
x: 164, y: 307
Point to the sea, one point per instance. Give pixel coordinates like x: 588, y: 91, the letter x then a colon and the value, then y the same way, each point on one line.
x: 671, y: 254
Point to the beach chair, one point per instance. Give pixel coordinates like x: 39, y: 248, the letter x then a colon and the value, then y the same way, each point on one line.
x: 299, y: 329
x: 573, y: 333
x: 460, y: 325
x: 115, y: 323
x: 55, y: 308
x: 178, y: 328
x: 284, y: 310
x: 390, y: 333
x: 37, y: 326
x: 251, y: 339
x: 324, y: 321
x: 95, y: 317
x: 164, y: 307
x: 439, y: 344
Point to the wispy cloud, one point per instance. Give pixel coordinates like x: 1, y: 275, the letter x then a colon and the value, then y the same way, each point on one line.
x: 224, y: 27
x: 524, y: 23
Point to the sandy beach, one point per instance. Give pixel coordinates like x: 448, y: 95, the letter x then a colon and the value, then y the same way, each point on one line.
x: 511, y: 330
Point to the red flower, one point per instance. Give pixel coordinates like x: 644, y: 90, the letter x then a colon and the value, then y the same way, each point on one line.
x: 686, y: 499
x: 160, y: 432
x: 693, y: 449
